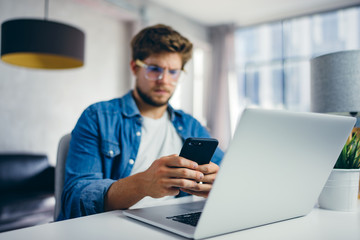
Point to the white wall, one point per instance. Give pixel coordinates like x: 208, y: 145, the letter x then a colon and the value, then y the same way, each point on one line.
x: 37, y: 107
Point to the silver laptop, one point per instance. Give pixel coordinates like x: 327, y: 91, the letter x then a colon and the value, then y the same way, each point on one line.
x: 273, y: 170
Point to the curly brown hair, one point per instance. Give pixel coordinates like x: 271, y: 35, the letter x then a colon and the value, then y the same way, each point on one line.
x: 158, y: 39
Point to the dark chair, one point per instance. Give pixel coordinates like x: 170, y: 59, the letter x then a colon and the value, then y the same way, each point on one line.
x: 26, y: 191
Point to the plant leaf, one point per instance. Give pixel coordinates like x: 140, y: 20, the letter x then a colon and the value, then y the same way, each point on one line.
x: 349, y: 157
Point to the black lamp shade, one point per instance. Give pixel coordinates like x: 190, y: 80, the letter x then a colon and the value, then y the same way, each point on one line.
x: 41, y: 44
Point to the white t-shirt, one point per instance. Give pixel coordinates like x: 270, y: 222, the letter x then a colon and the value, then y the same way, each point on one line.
x: 158, y: 138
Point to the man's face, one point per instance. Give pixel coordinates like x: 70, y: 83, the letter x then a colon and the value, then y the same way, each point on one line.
x: 157, y: 92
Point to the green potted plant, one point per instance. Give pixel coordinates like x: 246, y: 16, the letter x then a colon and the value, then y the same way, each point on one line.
x: 350, y: 155
x: 341, y: 190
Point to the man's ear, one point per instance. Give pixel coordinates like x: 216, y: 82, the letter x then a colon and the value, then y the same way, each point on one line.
x: 133, y: 67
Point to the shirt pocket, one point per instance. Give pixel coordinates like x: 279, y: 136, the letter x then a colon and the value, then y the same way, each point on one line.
x: 110, y: 149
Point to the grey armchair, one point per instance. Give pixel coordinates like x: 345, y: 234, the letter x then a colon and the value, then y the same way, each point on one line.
x: 60, y: 171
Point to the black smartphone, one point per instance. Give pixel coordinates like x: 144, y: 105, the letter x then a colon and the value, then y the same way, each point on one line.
x: 199, y: 150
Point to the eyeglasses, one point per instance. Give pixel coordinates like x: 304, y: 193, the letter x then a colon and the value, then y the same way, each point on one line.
x: 155, y: 73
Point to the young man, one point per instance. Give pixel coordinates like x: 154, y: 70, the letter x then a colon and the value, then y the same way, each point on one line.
x: 125, y: 150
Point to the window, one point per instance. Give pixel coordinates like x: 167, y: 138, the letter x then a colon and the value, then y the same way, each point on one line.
x: 273, y: 60
x: 190, y: 92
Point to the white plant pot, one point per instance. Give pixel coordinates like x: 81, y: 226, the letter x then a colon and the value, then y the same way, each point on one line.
x: 340, y: 192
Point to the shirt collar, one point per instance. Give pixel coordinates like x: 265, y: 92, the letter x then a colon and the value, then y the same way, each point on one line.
x: 130, y: 108
x: 172, y: 112
x: 128, y: 105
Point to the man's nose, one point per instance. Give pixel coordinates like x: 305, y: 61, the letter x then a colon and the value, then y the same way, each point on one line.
x: 165, y: 78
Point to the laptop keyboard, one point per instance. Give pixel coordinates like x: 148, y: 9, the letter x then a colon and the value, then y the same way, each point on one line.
x: 189, y: 218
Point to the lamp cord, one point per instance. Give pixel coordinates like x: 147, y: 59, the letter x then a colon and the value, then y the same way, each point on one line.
x: 46, y: 9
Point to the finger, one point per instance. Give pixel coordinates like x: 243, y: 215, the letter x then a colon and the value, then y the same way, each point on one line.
x: 173, y: 191
x: 200, y: 187
x: 196, y: 193
x: 185, y: 173
x: 208, y: 168
x: 166, y: 191
x: 177, y: 161
x: 210, y: 178
x: 180, y: 183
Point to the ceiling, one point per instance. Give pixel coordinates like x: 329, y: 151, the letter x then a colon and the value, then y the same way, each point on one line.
x: 244, y: 13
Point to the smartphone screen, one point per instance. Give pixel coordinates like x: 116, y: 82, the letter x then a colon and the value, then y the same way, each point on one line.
x: 199, y: 150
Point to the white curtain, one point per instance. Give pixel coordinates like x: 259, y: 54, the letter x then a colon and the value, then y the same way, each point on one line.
x: 223, y: 62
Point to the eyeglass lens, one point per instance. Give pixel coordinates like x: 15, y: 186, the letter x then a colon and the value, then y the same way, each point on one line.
x: 156, y: 73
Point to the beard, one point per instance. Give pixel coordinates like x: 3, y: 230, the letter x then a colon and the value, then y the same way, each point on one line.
x: 149, y: 100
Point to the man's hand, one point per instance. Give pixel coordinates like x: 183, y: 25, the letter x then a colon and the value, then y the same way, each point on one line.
x: 165, y: 177
x: 203, y: 188
x: 169, y: 174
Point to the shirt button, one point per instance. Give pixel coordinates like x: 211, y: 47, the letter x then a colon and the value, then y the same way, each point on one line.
x: 180, y: 128
x: 138, y: 134
x: 131, y: 161
x: 111, y: 153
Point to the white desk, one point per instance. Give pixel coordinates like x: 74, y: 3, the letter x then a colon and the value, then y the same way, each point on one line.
x: 319, y: 224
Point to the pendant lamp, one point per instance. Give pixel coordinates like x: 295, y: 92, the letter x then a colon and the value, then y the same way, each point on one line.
x: 38, y: 43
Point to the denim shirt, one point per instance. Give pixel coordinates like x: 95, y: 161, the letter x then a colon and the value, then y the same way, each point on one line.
x: 103, y: 148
